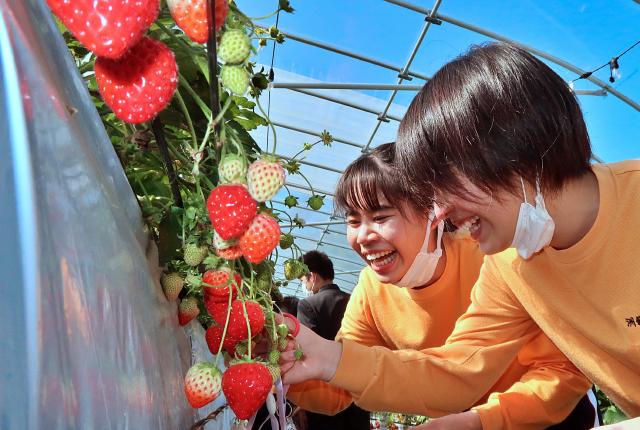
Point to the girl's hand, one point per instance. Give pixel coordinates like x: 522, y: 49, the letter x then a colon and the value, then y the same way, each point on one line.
x: 319, y: 359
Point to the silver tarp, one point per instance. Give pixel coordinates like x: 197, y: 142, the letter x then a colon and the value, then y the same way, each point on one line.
x: 87, y: 339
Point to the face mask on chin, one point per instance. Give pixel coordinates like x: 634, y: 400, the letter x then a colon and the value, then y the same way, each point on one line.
x: 424, y: 264
x: 535, y: 226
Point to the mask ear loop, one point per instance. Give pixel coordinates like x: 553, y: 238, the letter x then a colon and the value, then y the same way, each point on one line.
x: 438, y: 250
x: 523, y: 190
x: 425, y: 245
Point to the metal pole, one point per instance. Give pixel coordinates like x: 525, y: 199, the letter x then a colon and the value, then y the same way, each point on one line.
x: 308, y: 163
x: 343, y: 86
x: 531, y: 49
x: 347, y: 53
x: 314, y: 224
x: 383, y: 116
x: 315, y: 133
x: 303, y: 187
x: 402, y: 75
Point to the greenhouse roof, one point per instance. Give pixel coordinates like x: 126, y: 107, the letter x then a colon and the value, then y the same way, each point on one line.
x: 352, y: 68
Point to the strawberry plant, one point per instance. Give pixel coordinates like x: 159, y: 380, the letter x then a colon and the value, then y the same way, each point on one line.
x: 180, y: 115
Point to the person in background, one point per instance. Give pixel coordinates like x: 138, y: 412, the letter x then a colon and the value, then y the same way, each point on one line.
x: 322, y: 312
x: 416, y: 284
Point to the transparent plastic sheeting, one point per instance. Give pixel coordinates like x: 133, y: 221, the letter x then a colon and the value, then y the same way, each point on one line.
x: 87, y: 339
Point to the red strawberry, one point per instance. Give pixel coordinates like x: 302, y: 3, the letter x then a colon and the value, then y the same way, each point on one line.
x: 218, y: 311
x: 237, y: 328
x: 262, y: 236
x: 246, y: 386
x: 227, y: 249
x: 265, y: 178
x: 231, y: 210
x: 191, y: 17
x: 202, y: 384
x: 108, y: 27
x: 141, y: 83
x: 188, y: 310
x: 213, y: 337
x: 216, y: 284
x: 230, y: 253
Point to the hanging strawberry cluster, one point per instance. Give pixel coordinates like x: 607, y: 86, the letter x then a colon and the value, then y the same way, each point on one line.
x: 220, y: 228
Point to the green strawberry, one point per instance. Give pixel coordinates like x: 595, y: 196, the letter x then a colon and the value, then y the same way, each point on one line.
x: 291, y: 201
x: 202, y: 384
x: 286, y: 240
x: 188, y: 310
x: 274, y: 369
x: 298, y: 354
x: 315, y: 202
x: 235, y: 47
x: 265, y: 178
x: 232, y: 169
x: 274, y: 356
x: 294, y: 269
x: 194, y: 254
x: 235, y: 79
x: 172, y: 284
x: 283, y: 330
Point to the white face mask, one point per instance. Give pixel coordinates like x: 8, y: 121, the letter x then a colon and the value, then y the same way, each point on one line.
x: 424, y: 265
x: 308, y: 283
x: 535, y: 226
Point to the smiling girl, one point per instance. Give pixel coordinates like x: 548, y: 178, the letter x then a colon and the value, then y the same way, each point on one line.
x: 417, y: 283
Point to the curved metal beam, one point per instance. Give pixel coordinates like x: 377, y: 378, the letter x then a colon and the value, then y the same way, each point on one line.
x: 535, y: 51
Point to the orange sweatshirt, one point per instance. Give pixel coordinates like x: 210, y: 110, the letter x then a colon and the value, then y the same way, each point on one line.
x: 400, y: 318
x: 585, y: 298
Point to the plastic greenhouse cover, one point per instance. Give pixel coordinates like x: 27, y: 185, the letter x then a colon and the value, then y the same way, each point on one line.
x: 87, y: 338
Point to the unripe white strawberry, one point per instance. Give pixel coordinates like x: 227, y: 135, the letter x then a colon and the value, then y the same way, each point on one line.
x: 232, y: 169
x: 235, y: 47
x: 235, y: 79
x: 265, y: 178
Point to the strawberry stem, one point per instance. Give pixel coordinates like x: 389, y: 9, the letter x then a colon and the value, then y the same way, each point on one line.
x: 270, y: 124
x: 212, y: 55
x: 176, y: 39
x: 307, y: 181
x: 185, y: 111
x: 158, y: 132
x: 306, y: 149
x: 202, y: 105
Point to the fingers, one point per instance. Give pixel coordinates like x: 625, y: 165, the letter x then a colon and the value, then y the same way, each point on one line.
x: 291, y: 322
x: 296, y: 328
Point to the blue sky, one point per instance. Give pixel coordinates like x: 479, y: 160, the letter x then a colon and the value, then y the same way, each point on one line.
x: 586, y: 34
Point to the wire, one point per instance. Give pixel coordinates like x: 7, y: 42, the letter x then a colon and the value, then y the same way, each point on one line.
x: 271, y: 75
x: 613, y: 64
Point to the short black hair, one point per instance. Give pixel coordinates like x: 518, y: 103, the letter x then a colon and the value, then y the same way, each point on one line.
x: 370, y: 175
x: 493, y: 115
x: 318, y: 262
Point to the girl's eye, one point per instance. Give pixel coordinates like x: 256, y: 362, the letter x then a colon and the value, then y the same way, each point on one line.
x: 352, y: 222
x: 381, y: 218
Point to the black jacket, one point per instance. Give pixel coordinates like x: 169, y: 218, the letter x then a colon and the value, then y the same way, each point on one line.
x: 323, y: 311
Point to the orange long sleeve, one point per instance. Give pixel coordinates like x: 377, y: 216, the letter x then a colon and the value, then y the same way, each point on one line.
x: 400, y: 319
